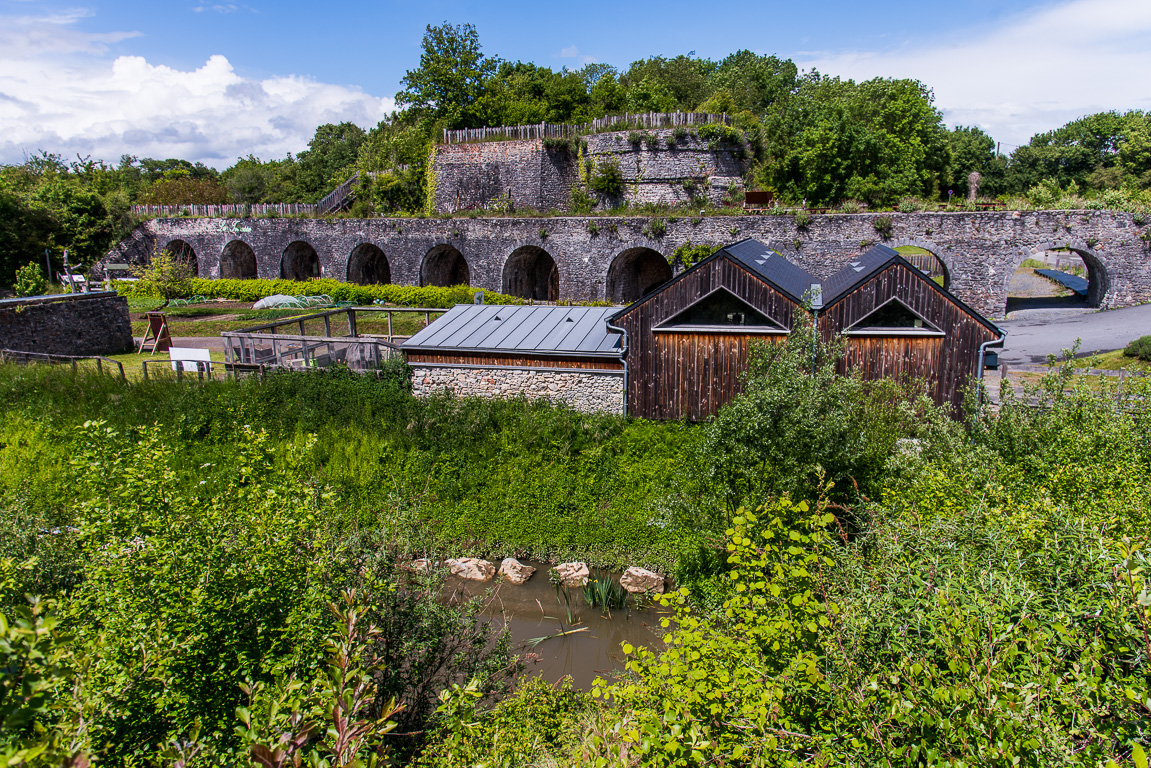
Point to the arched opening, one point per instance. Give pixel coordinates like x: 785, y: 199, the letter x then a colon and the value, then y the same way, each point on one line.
x: 182, y: 253
x: 299, y: 262
x: 531, y: 273
x: 444, y: 266
x: 634, y: 273
x: 238, y: 261
x: 1057, y: 277
x: 927, y: 263
x: 368, y: 266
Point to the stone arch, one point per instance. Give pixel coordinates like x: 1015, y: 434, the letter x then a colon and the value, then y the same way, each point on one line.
x: 238, y: 261
x: 444, y: 265
x: 634, y: 273
x: 938, y: 265
x: 367, y: 265
x: 299, y: 262
x: 531, y: 273
x: 1098, y: 279
x: 183, y: 253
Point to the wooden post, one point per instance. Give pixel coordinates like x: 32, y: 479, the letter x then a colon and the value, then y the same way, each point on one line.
x: 389, y: 325
x: 352, y: 331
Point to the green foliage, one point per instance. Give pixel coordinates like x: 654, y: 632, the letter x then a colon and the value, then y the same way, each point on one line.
x: 607, y: 179
x: 605, y: 593
x: 655, y: 229
x: 1139, y: 348
x: 802, y: 219
x: 883, y: 225
x: 30, y: 280
x: 688, y: 255
x: 363, y: 295
x: 165, y: 276
x: 450, y: 81
x: 581, y: 201
x: 540, y: 722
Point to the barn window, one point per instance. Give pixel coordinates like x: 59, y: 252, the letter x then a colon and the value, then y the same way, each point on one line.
x: 893, y: 318
x: 721, y: 311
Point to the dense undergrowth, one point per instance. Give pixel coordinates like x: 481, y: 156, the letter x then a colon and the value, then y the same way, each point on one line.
x: 866, y: 580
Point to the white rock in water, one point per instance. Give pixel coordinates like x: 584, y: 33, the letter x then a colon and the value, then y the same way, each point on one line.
x: 572, y: 574
x: 641, y: 580
x: 471, y: 568
x: 515, y: 571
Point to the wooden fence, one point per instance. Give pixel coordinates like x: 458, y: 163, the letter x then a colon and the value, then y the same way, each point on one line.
x: 599, y: 125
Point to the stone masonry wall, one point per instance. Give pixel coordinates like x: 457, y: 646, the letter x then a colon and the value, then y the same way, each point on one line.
x: 656, y: 173
x: 471, y: 176
x: 83, y: 324
x: 980, y: 251
x: 583, y: 390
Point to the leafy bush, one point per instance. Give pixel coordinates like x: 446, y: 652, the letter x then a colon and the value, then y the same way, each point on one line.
x: 883, y: 225
x: 254, y: 290
x: 607, y: 179
x: 688, y: 255
x: 30, y: 280
x: 655, y: 229
x: 802, y: 219
x: 1140, y: 348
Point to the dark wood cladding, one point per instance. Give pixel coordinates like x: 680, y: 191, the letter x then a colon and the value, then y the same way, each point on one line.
x: 692, y: 374
x: 517, y: 361
x: 944, y: 362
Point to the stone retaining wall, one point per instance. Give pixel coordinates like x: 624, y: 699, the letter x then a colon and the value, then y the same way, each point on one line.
x: 472, y: 176
x: 79, y: 324
x: 980, y: 251
x: 589, y: 391
x: 688, y: 170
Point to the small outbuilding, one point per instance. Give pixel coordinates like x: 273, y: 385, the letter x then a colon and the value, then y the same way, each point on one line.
x: 564, y: 354
x: 898, y: 322
x: 687, y: 341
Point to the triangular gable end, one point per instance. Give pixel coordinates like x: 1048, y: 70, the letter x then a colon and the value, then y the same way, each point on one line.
x: 721, y: 311
x: 893, y: 318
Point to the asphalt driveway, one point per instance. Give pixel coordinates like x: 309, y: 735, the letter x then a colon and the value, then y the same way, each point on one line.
x: 1031, y: 339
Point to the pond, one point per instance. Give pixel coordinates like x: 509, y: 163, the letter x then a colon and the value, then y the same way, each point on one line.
x: 584, y: 643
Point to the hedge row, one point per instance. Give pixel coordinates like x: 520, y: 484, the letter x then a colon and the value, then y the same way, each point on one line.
x: 254, y: 290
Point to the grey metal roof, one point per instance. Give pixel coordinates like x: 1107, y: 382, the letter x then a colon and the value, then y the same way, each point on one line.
x: 539, y: 330
x: 857, y: 271
x: 790, y: 278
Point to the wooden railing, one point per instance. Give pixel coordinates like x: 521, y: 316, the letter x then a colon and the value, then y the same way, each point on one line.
x: 560, y: 130
x: 20, y: 356
x: 288, y: 343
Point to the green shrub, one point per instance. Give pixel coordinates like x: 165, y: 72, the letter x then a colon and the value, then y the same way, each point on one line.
x: 688, y: 255
x: 883, y: 225
x: 364, y: 295
x: 30, y: 280
x: 802, y: 219
x: 607, y: 179
x: 1140, y: 348
x: 655, y: 229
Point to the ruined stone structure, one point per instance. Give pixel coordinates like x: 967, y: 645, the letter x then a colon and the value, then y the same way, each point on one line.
x: 667, y: 165
x: 668, y: 169
x: 72, y: 324
x: 622, y: 258
x: 527, y: 174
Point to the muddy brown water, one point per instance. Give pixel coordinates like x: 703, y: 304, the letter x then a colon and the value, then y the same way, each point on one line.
x: 531, y: 610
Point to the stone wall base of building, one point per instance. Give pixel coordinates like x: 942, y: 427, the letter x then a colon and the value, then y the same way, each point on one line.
x: 585, y: 390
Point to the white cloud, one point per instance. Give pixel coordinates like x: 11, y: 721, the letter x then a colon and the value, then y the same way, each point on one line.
x: 1033, y: 72
x: 60, y: 91
x: 572, y: 52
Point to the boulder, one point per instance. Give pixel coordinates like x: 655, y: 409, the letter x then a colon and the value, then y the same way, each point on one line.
x: 471, y: 568
x: 422, y: 564
x: 641, y: 580
x: 572, y: 574
x: 514, y: 571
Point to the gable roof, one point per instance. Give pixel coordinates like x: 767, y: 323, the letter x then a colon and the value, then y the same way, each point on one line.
x: 540, y: 330
x: 787, y: 278
x: 790, y: 278
x: 874, y: 261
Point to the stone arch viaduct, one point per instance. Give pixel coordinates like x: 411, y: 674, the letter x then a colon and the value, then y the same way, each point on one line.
x: 618, y: 258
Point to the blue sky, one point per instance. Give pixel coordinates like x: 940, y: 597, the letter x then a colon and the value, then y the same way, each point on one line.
x: 214, y: 80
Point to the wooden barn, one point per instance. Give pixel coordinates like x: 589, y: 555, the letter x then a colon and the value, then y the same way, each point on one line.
x: 687, y: 341
x: 898, y: 322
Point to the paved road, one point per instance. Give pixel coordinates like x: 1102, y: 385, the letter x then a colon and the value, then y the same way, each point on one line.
x: 1031, y: 339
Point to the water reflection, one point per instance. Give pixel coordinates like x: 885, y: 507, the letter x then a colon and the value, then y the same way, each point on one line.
x: 532, y: 611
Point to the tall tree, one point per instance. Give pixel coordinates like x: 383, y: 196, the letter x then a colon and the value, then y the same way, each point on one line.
x: 973, y: 150
x: 329, y: 159
x: 449, y: 82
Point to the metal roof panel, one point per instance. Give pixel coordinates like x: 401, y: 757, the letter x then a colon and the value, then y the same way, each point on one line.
x: 525, y: 329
